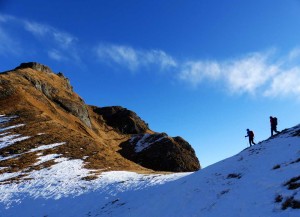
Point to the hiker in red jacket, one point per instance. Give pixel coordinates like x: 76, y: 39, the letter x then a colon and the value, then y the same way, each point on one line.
x: 250, y: 134
x: 273, y: 123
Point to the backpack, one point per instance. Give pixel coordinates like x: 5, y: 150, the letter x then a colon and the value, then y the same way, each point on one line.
x: 251, y: 134
x: 275, y: 121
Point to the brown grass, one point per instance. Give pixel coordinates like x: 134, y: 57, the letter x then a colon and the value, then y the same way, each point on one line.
x: 18, y: 96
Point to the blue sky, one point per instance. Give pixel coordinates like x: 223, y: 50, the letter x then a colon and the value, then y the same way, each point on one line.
x: 205, y: 70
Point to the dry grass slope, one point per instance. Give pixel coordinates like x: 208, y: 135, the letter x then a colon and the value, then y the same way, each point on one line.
x: 48, y: 111
x: 36, y: 99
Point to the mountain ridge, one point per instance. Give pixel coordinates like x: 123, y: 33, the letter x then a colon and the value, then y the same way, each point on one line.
x: 46, y: 103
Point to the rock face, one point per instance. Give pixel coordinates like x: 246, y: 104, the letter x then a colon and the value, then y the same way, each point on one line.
x: 35, y: 66
x: 124, y: 120
x: 160, y: 152
x: 59, y: 90
x: 155, y: 151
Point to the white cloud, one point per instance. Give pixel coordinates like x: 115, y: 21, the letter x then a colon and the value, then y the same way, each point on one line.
x: 61, y: 38
x: 287, y: 83
x: 4, y: 18
x: 195, y: 72
x: 134, y: 59
x: 64, y: 39
x: 294, y: 54
x: 36, y: 28
x: 157, y: 57
x: 241, y: 75
x: 248, y: 74
x: 7, y: 43
x: 256, y: 73
x: 121, y: 55
x: 59, y: 45
x: 56, y: 55
x: 264, y: 73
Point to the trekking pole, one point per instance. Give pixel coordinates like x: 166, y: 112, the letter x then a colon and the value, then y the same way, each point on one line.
x: 246, y: 142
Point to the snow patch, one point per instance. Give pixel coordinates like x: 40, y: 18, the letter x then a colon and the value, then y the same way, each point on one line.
x: 6, y: 139
x: 143, y: 143
x: 44, y: 147
x: 9, y: 157
x: 11, y: 127
x: 39, y: 134
x: 46, y: 158
x: 5, y: 119
x: 3, y: 134
x: 11, y: 139
x: 40, y: 148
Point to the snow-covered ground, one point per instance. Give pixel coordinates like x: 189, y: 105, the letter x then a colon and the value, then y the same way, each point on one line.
x: 254, y: 182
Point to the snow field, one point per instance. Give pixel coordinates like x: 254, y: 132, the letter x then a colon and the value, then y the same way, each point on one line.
x: 244, y: 185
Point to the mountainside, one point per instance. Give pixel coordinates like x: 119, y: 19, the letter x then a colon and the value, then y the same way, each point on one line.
x: 262, y: 180
x: 62, y: 158
x: 39, y: 108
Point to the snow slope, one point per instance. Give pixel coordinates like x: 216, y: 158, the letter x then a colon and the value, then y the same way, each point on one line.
x: 263, y: 180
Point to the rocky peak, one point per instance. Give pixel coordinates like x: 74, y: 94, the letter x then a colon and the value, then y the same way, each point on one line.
x: 35, y: 66
x: 126, y: 121
x: 56, y: 87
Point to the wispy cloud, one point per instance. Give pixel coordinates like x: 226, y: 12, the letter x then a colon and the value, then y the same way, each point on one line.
x: 134, y: 59
x: 61, y: 38
x: 249, y: 74
x: 260, y: 73
x: 285, y: 84
x: 157, y: 57
x: 59, y: 45
x: 267, y: 74
x: 294, y: 54
x: 36, y: 28
x: 255, y: 73
x: 194, y: 72
x: 121, y: 55
x: 7, y: 44
x: 56, y: 55
x: 5, y: 18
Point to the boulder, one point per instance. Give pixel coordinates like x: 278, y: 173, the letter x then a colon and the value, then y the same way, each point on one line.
x: 160, y: 152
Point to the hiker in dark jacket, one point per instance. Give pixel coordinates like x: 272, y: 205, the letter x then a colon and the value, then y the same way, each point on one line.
x: 250, y: 134
x: 273, y: 123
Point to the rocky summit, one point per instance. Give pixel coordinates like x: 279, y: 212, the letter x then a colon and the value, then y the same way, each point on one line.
x: 40, y: 109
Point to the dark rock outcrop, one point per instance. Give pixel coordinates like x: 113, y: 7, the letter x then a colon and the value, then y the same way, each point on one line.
x: 35, y: 66
x: 77, y: 108
x: 126, y: 121
x: 160, y: 152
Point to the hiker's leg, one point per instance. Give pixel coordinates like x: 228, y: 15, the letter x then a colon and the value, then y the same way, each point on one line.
x: 271, y: 131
